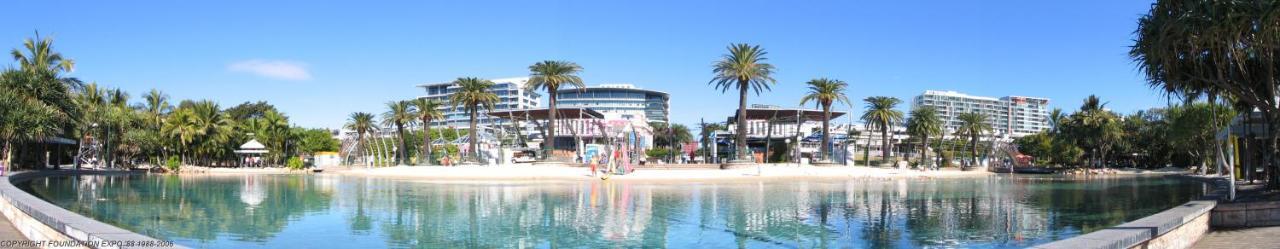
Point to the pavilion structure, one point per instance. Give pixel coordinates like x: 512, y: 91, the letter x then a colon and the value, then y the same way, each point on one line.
x: 768, y: 124
x: 572, y: 121
x: 250, y: 153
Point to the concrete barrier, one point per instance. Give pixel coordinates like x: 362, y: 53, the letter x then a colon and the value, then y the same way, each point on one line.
x: 1178, y: 227
x: 1246, y: 214
x: 42, y: 221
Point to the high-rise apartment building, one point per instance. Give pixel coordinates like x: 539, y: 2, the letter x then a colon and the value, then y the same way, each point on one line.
x: 511, y: 93
x: 1012, y: 116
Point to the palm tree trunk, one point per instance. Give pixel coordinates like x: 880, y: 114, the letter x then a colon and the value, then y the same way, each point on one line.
x: 973, y: 150
x: 471, y: 135
x: 425, y: 158
x: 359, y: 147
x: 866, y: 153
x: 550, y: 139
x: 402, y: 152
x: 924, y: 149
x: 741, y: 140
x: 885, y: 151
x: 823, y: 149
x: 8, y: 158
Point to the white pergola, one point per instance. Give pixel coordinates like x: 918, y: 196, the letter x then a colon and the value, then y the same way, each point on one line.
x: 252, y: 149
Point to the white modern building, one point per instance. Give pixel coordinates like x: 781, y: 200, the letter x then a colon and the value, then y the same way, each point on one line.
x: 1011, y: 116
x: 626, y: 100
x: 511, y: 93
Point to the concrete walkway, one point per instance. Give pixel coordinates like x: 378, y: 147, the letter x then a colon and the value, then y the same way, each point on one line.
x: 10, y: 233
x: 1257, y: 237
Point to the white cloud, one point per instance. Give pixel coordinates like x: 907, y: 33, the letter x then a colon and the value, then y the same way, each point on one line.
x: 282, y: 70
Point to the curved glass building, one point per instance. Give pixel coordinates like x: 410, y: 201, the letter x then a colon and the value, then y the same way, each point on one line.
x: 623, y: 99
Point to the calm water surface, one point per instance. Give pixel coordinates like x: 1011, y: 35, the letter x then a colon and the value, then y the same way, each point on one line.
x: 325, y: 211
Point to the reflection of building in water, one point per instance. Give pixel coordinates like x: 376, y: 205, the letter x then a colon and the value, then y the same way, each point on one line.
x: 625, y: 215
x: 252, y: 192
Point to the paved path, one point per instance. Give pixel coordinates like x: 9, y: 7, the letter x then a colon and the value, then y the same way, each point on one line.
x: 10, y: 233
x: 1258, y: 237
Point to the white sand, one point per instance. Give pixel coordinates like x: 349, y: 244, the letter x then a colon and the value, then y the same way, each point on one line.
x: 529, y: 172
x: 187, y: 169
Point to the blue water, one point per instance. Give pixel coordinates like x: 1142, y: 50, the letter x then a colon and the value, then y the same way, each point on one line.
x: 326, y: 211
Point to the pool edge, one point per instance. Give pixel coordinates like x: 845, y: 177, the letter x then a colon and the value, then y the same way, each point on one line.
x: 42, y: 221
x: 1177, y: 227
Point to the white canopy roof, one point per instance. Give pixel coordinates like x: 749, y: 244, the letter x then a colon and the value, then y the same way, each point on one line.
x: 253, y: 144
x: 252, y: 147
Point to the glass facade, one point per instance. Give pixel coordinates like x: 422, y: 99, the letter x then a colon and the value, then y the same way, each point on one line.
x: 623, y: 99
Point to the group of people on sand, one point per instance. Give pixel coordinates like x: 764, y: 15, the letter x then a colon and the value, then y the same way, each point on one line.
x: 615, y: 161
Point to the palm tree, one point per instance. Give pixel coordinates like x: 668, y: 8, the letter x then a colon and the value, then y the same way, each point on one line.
x: 923, y: 123
x: 743, y: 68
x: 37, y: 102
x: 426, y: 110
x: 473, y: 94
x: 156, y: 105
x: 24, y: 117
x: 880, y: 114
x: 1056, y: 118
x: 399, y: 114
x: 275, y: 130
x: 551, y: 75
x: 362, y: 123
x: 973, y: 125
x: 41, y: 57
x: 826, y: 92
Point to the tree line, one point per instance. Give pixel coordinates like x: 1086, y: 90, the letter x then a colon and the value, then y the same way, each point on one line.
x: 41, y: 104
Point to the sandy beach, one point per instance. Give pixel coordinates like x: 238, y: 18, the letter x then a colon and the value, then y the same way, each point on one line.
x: 528, y: 172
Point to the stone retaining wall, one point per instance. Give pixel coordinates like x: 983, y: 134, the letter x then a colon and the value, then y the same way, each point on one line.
x: 42, y: 221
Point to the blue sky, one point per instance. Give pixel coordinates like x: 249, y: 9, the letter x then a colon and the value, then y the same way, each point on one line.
x: 318, y: 61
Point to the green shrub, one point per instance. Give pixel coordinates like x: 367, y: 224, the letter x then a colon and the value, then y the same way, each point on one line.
x: 173, y: 164
x: 294, y: 163
x: 658, y: 152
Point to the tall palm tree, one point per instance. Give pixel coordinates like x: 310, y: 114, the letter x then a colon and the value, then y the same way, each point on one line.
x: 473, y: 94
x: 552, y: 75
x: 400, y: 113
x: 156, y: 105
x: 1056, y: 117
x: 923, y: 123
x: 275, y: 129
x: 826, y: 92
x: 426, y: 110
x: 880, y: 114
x: 743, y: 68
x: 973, y: 125
x: 362, y: 123
x: 40, y: 56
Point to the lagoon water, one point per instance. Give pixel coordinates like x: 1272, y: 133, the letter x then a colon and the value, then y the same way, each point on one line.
x: 329, y: 211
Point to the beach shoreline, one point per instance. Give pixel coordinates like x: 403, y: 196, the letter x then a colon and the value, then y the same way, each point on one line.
x: 651, y: 173
x: 766, y: 172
